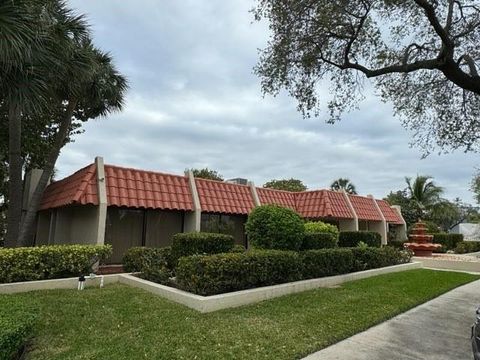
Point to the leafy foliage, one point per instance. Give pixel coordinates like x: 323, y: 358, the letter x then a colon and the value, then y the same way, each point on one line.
x: 186, y: 244
x: 286, y: 184
x: 49, y: 262
x: 215, y: 274
x: 353, y: 238
x: 418, y: 54
x: 16, y: 326
x: 343, y: 184
x: 135, y: 257
x: 422, y: 200
x: 321, y: 227
x: 465, y: 247
x: 220, y: 273
x: 423, y: 192
x: 327, y: 262
x: 448, y: 241
x: 372, y: 258
x: 206, y: 173
x: 410, y: 212
x: 274, y: 227
x: 319, y: 240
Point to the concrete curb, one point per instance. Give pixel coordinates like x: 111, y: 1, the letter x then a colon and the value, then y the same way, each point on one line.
x: 212, y: 303
x: 207, y: 304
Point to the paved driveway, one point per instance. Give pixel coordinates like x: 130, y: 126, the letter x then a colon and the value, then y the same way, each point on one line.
x: 436, y: 330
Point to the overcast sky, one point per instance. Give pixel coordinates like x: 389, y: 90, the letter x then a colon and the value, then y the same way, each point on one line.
x: 194, y: 102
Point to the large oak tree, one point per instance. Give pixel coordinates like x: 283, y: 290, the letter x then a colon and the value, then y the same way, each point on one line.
x: 422, y: 56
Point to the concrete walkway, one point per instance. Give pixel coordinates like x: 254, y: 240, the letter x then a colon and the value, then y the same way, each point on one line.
x: 438, y: 329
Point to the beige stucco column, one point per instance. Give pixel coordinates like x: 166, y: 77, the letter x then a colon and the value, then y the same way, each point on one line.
x: 101, y: 219
x: 192, y: 218
x: 380, y: 227
x: 402, y: 233
x: 253, y: 190
x: 349, y: 224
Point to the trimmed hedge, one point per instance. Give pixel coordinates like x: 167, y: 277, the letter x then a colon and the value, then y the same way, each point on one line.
x: 465, y: 247
x: 326, y: 262
x: 353, y: 238
x: 372, y: 258
x: 186, y: 244
x: 448, y: 241
x: 134, y: 258
x: 238, y: 249
x: 215, y: 274
x: 49, y: 262
x: 320, y: 227
x: 321, y: 240
x: 16, y: 326
x: 275, y: 227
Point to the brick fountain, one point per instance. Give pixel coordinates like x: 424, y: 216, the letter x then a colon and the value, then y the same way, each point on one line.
x: 420, y: 242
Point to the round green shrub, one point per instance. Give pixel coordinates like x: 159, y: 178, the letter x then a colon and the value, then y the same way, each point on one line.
x: 321, y: 227
x: 275, y: 227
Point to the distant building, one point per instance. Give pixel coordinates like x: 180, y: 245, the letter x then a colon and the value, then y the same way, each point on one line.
x: 470, y: 231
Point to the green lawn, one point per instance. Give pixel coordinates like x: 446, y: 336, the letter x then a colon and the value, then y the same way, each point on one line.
x: 120, y: 322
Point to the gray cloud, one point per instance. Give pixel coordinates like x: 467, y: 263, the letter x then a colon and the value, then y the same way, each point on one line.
x: 194, y: 102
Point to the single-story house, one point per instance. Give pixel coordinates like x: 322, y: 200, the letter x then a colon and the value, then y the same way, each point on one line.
x: 107, y: 204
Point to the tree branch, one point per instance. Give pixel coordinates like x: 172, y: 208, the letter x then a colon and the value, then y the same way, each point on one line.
x: 471, y: 64
x: 432, y: 18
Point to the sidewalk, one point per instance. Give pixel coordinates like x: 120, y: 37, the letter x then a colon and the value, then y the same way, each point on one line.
x: 436, y: 330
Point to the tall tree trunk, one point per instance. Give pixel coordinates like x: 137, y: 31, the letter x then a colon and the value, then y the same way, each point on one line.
x: 27, y: 228
x: 15, y: 185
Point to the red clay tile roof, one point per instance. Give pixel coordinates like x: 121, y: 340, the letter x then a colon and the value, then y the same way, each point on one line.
x: 78, y: 188
x: 223, y: 197
x: 322, y: 204
x: 277, y: 197
x: 390, y: 215
x: 147, y: 189
x: 365, y: 208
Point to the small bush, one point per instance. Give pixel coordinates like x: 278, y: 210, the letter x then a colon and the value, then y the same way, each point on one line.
x: 372, y: 258
x: 326, y: 262
x: 16, y: 326
x: 397, y: 244
x: 275, y: 227
x: 448, y: 241
x: 134, y: 258
x: 186, y: 244
x: 238, y: 249
x: 352, y: 238
x: 465, y: 247
x: 320, y: 227
x: 318, y: 241
x: 216, y: 274
x: 49, y: 262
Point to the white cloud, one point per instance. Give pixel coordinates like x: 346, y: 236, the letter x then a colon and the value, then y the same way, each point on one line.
x: 194, y: 102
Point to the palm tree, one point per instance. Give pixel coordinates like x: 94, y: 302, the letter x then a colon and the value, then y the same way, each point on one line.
x: 424, y: 192
x: 34, y: 34
x: 89, y: 87
x: 343, y: 184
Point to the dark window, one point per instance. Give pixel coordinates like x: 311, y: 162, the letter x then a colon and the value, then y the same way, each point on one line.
x: 124, y: 229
